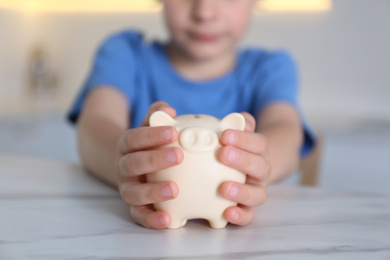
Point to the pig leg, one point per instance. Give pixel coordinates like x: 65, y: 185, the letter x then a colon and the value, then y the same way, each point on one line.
x: 177, y: 223
x: 218, y: 223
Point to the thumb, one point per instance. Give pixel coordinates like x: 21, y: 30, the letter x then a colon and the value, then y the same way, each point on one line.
x: 250, y: 122
x: 158, y: 106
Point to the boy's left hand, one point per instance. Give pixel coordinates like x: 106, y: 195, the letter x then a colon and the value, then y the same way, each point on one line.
x: 247, y: 152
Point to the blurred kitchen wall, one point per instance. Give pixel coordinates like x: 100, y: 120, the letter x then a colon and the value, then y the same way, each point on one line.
x: 344, y: 58
x: 343, y: 54
x: 17, y: 32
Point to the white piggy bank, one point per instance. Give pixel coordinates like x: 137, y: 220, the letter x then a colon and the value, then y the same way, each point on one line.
x: 201, y: 173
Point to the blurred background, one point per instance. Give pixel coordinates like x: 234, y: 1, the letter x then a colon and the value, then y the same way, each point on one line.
x: 342, y: 48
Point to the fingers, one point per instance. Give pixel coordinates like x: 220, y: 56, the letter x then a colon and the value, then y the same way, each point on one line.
x: 143, y: 162
x: 138, y: 158
x: 143, y: 138
x: 240, y: 215
x: 158, y: 106
x: 137, y: 194
x: 250, y: 195
x: 251, y: 142
x: 142, y: 195
x: 257, y: 167
x: 145, y: 216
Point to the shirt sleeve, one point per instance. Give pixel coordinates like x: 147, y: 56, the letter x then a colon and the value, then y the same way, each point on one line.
x: 278, y: 82
x: 113, y: 66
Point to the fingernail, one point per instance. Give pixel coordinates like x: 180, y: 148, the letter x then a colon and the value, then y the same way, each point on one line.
x: 166, y: 191
x: 171, y: 156
x: 233, y: 191
x: 235, y: 216
x: 167, y: 134
x: 232, y: 155
x: 232, y: 138
x: 248, y: 125
x: 161, y: 221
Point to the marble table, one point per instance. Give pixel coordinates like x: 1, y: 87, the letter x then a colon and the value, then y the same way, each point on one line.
x: 54, y: 210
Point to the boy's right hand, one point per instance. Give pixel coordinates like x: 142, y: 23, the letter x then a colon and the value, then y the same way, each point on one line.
x: 139, y: 154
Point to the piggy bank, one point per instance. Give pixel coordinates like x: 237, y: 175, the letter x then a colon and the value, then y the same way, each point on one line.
x: 201, y: 173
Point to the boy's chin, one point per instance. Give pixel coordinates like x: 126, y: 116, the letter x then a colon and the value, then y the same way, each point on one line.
x: 205, y: 54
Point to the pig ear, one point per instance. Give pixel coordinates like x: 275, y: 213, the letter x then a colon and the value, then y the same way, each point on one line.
x: 160, y: 118
x: 233, y: 121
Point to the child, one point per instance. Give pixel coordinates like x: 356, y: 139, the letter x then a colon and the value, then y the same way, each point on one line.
x: 198, y: 71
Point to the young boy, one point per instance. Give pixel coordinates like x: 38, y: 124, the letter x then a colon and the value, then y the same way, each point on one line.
x: 198, y: 71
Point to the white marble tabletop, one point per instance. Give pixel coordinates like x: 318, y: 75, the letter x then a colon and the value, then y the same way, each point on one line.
x: 54, y: 210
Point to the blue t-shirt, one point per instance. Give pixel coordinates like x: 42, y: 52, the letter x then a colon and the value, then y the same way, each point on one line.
x: 143, y: 73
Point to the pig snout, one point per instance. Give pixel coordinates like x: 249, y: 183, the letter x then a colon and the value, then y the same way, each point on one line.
x: 198, y: 139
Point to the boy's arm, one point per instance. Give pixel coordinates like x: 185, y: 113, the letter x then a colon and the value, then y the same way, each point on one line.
x: 104, y: 119
x: 121, y: 156
x: 281, y: 126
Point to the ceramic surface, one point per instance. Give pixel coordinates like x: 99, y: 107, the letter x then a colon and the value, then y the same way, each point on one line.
x: 54, y: 210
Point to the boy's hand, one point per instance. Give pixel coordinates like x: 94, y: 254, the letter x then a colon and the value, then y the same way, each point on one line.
x: 247, y: 152
x: 138, y: 155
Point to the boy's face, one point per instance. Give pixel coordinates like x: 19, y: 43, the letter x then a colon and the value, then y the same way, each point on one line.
x: 206, y: 29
